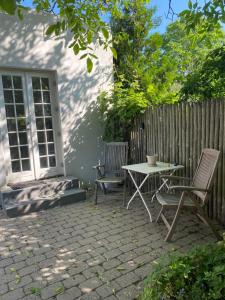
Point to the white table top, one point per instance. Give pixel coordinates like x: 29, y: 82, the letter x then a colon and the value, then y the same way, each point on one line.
x: 145, y: 169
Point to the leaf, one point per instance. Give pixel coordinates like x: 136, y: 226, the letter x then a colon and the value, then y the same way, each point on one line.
x: 89, y: 65
x: 50, y: 29
x: 105, y: 33
x: 83, y: 56
x: 59, y: 290
x: 190, y: 4
x: 114, y: 52
x: 9, y: 6
x: 18, y: 278
x: 35, y: 291
x: 13, y: 270
x: 76, y: 49
x: 120, y: 268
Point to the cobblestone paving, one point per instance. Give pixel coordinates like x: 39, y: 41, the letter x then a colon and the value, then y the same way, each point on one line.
x: 82, y: 251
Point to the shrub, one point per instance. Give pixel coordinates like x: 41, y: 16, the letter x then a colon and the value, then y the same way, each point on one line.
x: 197, y: 275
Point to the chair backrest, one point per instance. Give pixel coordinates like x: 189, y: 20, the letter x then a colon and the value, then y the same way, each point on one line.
x: 116, y: 155
x: 205, y: 172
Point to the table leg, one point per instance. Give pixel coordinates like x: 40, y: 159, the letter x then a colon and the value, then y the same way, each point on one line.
x: 164, y: 183
x: 139, y: 192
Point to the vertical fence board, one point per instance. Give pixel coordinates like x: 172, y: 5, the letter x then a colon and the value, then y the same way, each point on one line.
x: 178, y: 133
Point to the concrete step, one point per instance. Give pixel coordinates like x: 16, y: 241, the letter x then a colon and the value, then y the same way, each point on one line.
x: 39, y: 189
x: 60, y: 198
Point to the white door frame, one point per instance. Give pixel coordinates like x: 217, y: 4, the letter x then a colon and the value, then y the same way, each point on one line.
x: 36, y: 171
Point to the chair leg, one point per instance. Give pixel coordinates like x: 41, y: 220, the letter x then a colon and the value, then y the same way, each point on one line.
x: 207, y: 221
x: 96, y: 193
x: 159, y: 215
x: 174, y: 223
x: 124, y: 192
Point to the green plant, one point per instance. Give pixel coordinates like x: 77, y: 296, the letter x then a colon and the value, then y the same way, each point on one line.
x: 197, y: 275
x: 119, y: 107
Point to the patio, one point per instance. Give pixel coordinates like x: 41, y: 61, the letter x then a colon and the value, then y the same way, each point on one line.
x: 82, y: 251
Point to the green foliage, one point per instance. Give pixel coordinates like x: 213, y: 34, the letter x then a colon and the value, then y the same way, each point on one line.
x: 207, y: 81
x: 211, y: 11
x: 119, y: 107
x: 200, y: 274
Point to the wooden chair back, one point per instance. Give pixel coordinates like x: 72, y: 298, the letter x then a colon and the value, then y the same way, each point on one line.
x: 116, y: 155
x: 205, y: 172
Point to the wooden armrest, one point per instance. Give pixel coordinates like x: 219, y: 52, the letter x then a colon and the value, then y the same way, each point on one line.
x: 98, y: 166
x: 187, y: 188
x: 175, y: 177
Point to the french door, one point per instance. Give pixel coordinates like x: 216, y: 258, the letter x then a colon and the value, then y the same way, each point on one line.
x: 28, y: 126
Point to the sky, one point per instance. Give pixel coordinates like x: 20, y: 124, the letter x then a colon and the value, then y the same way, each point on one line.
x: 162, y: 9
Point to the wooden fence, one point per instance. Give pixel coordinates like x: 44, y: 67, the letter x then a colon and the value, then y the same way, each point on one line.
x: 178, y: 133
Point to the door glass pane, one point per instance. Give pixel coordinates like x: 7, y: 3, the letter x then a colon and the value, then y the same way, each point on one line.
x: 16, y: 166
x: 8, y: 96
x: 7, y: 82
x: 26, y: 164
x: 37, y: 96
x: 44, y: 124
x: 16, y: 122
x: 24, y: 152
x: 11, y: 125
x: 36, y: 84
x: 9, y: 110
x: 17, y: 82
x: 23, y: 138
x: 14, y: 152
x: 18, y: 96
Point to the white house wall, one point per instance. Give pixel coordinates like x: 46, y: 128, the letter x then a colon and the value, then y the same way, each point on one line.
x: 24, y: 46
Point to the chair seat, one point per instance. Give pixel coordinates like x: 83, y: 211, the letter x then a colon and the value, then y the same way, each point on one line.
x: 110, y: 180
x: 166, y: 199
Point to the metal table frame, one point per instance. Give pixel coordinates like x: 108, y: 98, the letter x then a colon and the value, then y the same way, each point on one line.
x: 144, y: 169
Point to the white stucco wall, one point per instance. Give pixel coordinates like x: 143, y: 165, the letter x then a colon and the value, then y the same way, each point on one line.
x: 23, y: 45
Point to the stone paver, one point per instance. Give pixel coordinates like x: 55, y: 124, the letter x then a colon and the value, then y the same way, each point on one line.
x: 83, y: 251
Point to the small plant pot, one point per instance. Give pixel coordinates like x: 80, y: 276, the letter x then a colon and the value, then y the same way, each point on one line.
x: 151, y: 159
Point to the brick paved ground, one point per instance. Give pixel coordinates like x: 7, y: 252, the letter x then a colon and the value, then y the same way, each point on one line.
x: 81, y: 251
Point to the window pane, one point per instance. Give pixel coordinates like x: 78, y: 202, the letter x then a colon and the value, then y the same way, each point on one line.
x: 20, y: 110
x: 36, y: 83
x: 23, y: 138
x: 21, y: 123
x: 26, y: 164
x: 41, y: 137
x: 46, y: 97
x: 38, y: 110
x: 47, y: 109
x: 7, y: 82
x: 40, y: 123
x: 9, y: 109
x: 17, y: 82
x: 14, y: 152
x: 42, y: 150
x: 16, y: 166
x: 52, y: 162
x: 43, y: 162
x: 50, y: 136
x: 51, y: 149
x: 11, y: 125
x: 18, y: 96
x: 37, y: 97
x: 45, y: 83
x: 13, y: 139
x: 48, y: 123
x: 8, y: 96
x: 24, y: 151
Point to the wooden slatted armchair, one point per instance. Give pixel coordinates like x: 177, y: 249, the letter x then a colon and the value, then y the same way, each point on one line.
x: 115, y: 156
x: 194, y: 196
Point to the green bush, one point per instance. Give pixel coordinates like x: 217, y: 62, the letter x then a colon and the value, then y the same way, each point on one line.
x: 198, y: 275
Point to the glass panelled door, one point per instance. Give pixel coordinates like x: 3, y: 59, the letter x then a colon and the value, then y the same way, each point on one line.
x: 29, y: 139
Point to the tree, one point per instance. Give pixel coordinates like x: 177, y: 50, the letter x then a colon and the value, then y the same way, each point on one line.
x: 82, y: 17
x: 207, y: 81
